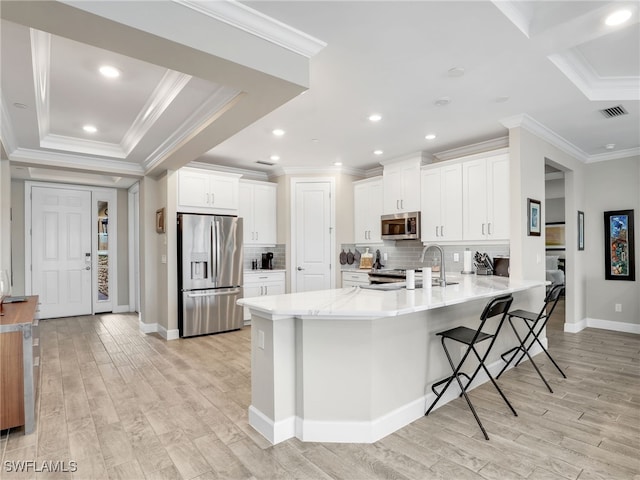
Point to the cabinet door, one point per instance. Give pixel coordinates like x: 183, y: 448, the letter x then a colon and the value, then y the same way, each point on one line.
x: 410, y: 196
x: 224, y: 192
x: 264, y: 214
x: 193, y: 189
x: 375, y: 193
x: 245, y: 210
x: 430, y: 206
x: 451, y: 202
x: 474, y: 199
x: 360, y: 213
x: 273, y: 288
x: 498, y: 209
x: 392, y: 182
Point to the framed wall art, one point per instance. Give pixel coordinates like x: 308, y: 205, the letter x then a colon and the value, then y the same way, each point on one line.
x: 534, y: 216
x: 554, y: 236
x: 619, y: 251
x: 160, y: 220
x: 580, y: 230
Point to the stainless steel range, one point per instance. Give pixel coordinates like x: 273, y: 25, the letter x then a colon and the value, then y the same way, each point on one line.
x: 391, y: 275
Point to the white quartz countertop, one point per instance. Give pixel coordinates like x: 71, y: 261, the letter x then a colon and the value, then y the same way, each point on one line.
x: 358, y: 302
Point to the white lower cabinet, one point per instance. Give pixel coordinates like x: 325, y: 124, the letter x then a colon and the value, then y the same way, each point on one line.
x: 260, y: 283
x: 354, y: 279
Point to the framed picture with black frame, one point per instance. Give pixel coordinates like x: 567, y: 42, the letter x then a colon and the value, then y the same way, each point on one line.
x: 580, y: 230
x: 619, y: 246
x: 534, y: 217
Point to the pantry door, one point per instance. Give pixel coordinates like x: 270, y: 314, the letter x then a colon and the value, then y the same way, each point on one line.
x: 312, y: 234
x: 61, y: 251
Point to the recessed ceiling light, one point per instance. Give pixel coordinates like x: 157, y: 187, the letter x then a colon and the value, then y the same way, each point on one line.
x: 430, y: 136
x: 618, y: 17
x: 90, y: 129
x: 378, y: 152
x: 441, y: 102
x: 502, y: 99
x: 278, y: 132
x: 337, y: 164
x: 456, y: 72
x: 109, y: 71
x: 315, y: 140
x: 376, y: 117
x: 610, y: 146
x: 19, y: 105
x: 274, y: 158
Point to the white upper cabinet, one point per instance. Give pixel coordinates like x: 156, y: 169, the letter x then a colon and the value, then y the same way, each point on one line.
x: 367, y: 203
x: 486, y: 198
x: 401, y: 185
x: 258, y: 209
x: 204, y: 191
x: 441, y: 203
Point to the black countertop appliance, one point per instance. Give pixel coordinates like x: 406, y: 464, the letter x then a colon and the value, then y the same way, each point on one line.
x: 267, y: 261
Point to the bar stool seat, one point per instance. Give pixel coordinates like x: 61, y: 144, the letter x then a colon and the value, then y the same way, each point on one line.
x: 470, y: 338
x: 535, y: 323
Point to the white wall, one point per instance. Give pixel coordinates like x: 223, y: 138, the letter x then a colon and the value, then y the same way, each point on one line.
x: 528, y: 154
x: 612, y: 185
x: 5, y: 216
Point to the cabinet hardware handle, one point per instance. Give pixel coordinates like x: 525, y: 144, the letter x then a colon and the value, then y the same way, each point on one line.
x: 261, y: 287
x: 442, y: 230
x: 256, y: 235
x: 397, y: 204
x: 489, y: 228
x: 483, y: 229
x: 207, y: 198
x: 266, y: 290
x: 213, y: 198
x: 401, y: 204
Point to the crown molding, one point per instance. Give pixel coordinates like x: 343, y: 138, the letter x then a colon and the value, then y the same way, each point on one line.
x: 103, y: 166
x: 373, y: 172
x: 82, y: 146
x: 163, y: 95
x: 475, y: 148
x: 614, y: 155
x: 256, y: 23
x: 198, y: 120
x: 357, y: 172
x: 596, y: 88
x: 535, y: 127
x: 41, y: 63
x: 245, y: 172
x: 7, y: 135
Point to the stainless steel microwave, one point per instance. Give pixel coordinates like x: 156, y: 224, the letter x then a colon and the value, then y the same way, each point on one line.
x: 400, y: 226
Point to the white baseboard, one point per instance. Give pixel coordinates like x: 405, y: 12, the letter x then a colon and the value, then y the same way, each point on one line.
x: 121, y: 309
x: 614, y: 326
x: 172, y: 334
x: 147, y: 327
x: 575, y: 327
x: 363, y: 431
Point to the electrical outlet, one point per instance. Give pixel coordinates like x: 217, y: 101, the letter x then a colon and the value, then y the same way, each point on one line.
x: 261, y: 339
x: 456, y: 257
x: 384, y: 256
x: 618, y: 307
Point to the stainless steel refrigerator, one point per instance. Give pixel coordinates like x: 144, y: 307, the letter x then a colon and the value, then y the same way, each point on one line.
x: 209, y: 274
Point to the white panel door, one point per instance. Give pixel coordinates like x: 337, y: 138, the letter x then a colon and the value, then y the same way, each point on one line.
x: 313, y: 236
x: 61, y: 251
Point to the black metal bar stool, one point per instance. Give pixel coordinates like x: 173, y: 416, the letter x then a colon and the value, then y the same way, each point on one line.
x: 470, y: 337
x: 535, y: 323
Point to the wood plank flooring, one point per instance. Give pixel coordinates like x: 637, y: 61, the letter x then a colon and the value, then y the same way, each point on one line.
x: 124, y: 405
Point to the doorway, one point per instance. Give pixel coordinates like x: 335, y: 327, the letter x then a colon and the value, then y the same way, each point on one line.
x: 556, y: 245
x: 312, y: 233
x: 70, y: 248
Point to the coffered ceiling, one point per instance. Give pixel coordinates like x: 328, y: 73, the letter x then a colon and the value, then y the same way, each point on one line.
x: 209, y: 81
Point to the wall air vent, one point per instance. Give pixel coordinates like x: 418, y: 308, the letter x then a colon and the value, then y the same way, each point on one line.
x: 264, y: 162
x: 614, y: 111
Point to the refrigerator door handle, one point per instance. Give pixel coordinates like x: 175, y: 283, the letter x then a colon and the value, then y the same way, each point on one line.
x: 211, y: 254
x: 214, y: 294
x: 217, y: 244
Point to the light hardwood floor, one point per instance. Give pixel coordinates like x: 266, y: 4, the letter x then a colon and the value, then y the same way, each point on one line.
x: 132, y: 406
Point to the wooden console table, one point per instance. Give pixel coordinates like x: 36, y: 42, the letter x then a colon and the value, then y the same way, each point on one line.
x: 19, y: 363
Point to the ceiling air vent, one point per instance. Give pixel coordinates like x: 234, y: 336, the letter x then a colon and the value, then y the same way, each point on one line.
x: 614, y: 111
x: 264, y: 162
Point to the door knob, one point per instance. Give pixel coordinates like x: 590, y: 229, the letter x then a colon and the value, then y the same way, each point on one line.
x: 300, y: 269
x: 87, y: 267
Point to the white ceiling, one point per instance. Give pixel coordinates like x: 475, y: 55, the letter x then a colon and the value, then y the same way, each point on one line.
x: 181, y: 98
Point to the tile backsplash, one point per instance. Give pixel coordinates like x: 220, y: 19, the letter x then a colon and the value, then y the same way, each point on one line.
x: 255, y: 253
x: 406, y: 254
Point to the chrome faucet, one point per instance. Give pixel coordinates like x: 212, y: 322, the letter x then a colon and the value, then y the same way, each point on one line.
x: 442, y: 281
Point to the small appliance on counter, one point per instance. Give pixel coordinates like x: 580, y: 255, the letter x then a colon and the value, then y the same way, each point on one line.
x: 267, y: 261
x: 501, y: 266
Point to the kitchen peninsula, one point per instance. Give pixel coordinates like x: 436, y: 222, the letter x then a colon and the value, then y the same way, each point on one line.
x: 354, y: 365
